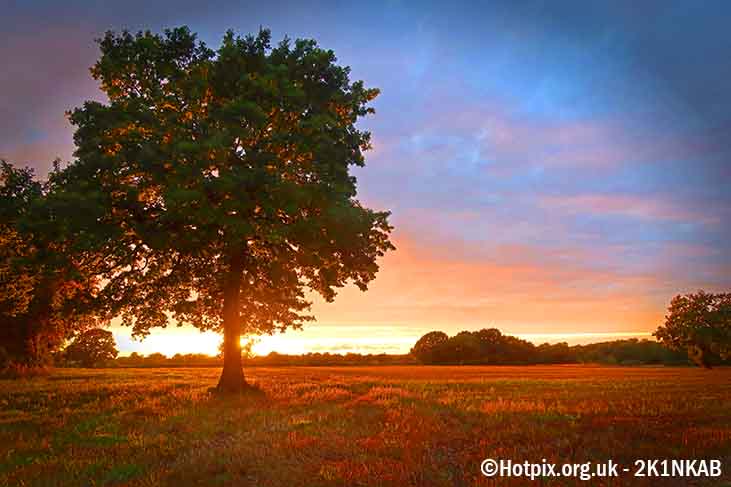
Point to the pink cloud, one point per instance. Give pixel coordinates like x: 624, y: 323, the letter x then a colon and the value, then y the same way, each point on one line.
x: 644, y: 208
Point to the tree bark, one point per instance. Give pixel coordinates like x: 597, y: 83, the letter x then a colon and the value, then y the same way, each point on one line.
x: 232, y: 376
x: 35, y: 336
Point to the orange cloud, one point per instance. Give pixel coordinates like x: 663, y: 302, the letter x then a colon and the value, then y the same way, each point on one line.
x: 518, y: 288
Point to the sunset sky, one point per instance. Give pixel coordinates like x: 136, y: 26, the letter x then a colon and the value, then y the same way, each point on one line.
x: 558, y: 170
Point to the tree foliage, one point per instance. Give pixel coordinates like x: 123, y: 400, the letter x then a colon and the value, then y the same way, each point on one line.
x: 484, y: 346
x: 225, y: 175
x: 700, y: 324
x: 92, y: 348
x: 490, y: 346
x: 46, y: 291
x: 426, y: 347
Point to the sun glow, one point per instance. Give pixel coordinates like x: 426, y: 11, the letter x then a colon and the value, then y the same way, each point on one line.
x: 168, y: 341
x: 277, y: 343
x: 322, y: 339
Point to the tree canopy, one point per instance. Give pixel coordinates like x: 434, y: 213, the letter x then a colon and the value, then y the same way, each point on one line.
x: 427, y: 347
x: 484, y: 346
x: 46, y: 287
x: 699, y: 323
x: 224, y: 176
x: 490, y: 346
x: 92, y: 348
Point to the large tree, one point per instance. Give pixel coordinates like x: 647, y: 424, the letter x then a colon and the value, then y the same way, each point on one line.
x: 46, y: 287
x: 699, y: 323
x: 227, y: 174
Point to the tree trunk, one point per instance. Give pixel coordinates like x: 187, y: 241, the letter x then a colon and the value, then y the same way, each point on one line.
x: 36, y: 336
x: 232, y: 377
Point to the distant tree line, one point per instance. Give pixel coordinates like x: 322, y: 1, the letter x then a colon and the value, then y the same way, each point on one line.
x: 178, y: 360
x: 490, y: 347
x: 483, y: 347
x: 271, y: 360
x: 696, y: 330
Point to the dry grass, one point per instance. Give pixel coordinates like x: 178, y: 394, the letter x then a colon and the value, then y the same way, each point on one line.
x: 396, y: 426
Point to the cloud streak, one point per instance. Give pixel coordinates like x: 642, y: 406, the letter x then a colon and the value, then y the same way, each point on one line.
x: 641, y: 208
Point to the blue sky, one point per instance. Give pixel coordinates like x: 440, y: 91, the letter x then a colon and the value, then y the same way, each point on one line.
x: 552, y: 167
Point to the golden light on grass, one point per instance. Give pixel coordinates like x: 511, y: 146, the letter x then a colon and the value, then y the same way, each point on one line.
x: 332, y: 426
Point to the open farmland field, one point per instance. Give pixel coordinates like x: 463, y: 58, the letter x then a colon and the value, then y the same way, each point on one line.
x: 394, y: 426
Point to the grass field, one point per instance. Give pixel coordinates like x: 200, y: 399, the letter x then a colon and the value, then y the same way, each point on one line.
x: 395, y: 426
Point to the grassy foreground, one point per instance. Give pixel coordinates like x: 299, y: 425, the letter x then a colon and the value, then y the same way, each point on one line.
x: 395, y: 426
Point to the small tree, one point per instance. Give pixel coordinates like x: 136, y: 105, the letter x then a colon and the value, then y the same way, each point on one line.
x: 427, y: 348
x: 226, y: 174
x: 700, y: 324
x: 92, y: 348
